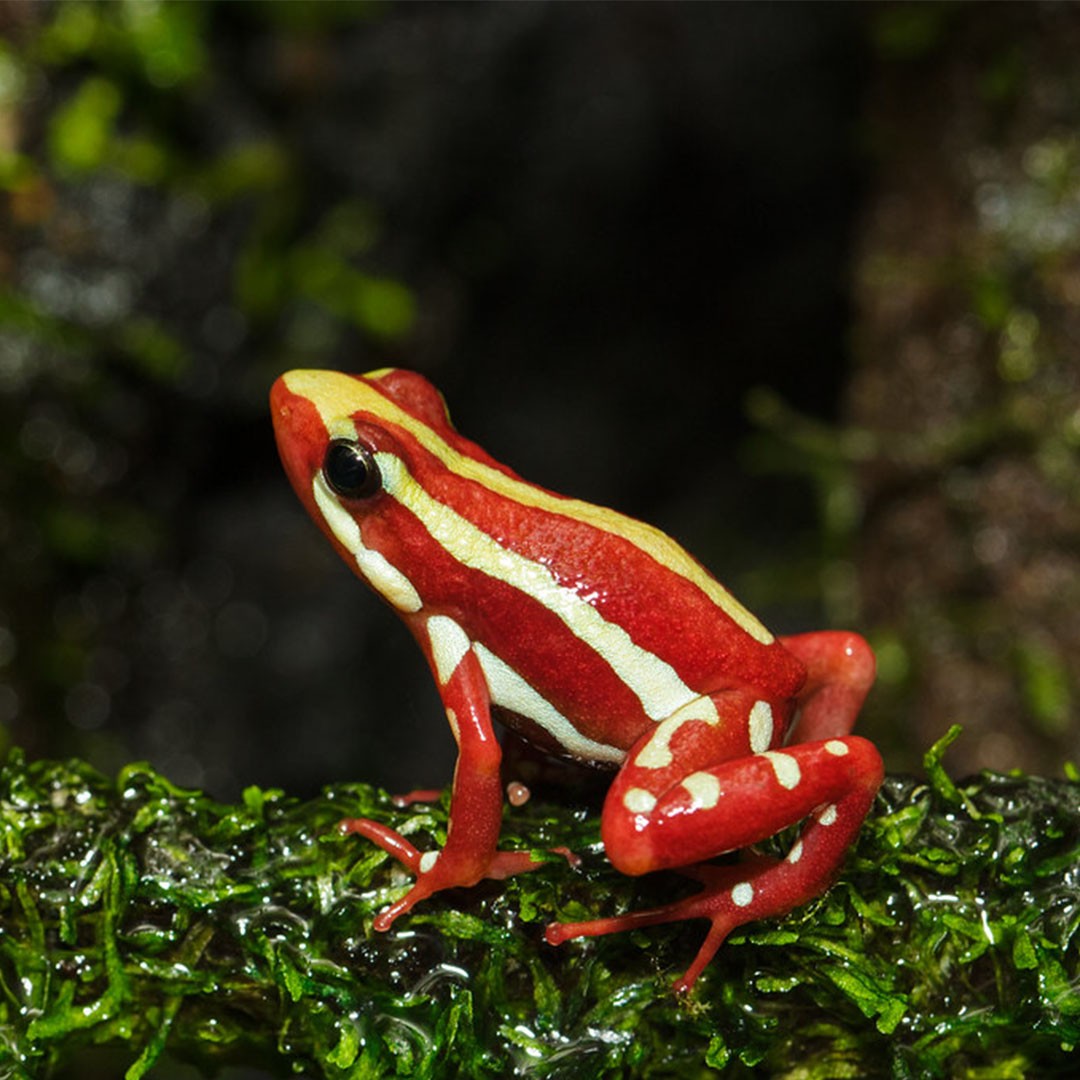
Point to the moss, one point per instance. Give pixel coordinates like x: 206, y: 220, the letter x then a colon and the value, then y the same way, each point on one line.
x: 136, y: 913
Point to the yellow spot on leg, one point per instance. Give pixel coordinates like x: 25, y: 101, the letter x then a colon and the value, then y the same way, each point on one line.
x: 761, y: 727
x: 742, y: 894
x: 785, y: 767
x: 639, y: 801
x: 704, y: 789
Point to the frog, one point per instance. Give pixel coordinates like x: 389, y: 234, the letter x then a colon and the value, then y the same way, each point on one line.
x: 597, y: 638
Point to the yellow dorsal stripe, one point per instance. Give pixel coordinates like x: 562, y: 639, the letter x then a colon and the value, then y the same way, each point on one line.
x: 336, y: 397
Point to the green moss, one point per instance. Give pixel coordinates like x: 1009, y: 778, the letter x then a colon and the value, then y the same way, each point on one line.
x: 138, y: 914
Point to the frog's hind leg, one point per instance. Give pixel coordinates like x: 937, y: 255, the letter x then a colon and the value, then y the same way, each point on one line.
x: 717, y: 881
x: 689, y: 809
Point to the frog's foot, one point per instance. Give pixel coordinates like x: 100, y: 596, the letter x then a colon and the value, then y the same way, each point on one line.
x: 724, y: 900
x: 438, y: 870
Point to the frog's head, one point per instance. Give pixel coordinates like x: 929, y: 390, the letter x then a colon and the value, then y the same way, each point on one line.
x: 352, y: 445
x: 331, y: 426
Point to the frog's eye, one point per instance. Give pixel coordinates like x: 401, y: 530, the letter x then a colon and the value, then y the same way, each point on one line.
x: 350, y: 469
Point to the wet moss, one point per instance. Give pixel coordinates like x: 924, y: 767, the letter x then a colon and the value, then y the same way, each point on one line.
x: 139, y: 914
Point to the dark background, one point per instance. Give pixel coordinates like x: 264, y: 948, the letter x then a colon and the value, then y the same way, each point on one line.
x: 622, y: 239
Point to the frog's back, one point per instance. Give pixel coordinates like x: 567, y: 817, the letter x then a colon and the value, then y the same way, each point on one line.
x: 609, y: 616
x: 607, y: 577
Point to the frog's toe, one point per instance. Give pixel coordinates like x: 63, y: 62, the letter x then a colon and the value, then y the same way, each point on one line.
x: 391, y: 841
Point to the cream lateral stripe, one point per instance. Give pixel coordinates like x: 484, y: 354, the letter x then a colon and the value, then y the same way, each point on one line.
x: 654, y: 681
x: 510, y: 691
x: 449, y: 644
x: 337, y: 396
x: 385, y: 578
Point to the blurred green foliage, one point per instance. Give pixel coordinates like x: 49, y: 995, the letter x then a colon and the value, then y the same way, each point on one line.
x: 966, y: 384
x: 169, y: 251
x: 123, y: 73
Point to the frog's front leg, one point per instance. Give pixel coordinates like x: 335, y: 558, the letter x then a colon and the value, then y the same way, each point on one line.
x: 682, y: 797
x: 476, y: 797
x: 840, y: 670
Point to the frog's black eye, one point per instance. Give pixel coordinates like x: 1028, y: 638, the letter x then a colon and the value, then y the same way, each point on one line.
x: 350, y: 469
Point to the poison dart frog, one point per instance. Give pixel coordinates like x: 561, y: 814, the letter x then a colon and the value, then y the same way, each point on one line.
x: 594, y: 636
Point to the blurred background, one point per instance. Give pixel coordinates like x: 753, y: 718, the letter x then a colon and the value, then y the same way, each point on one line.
x: 796, y: 283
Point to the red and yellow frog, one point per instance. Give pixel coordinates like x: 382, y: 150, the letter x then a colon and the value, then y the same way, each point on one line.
x: 596, y: 637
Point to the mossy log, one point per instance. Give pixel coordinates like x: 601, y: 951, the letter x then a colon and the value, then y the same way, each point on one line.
x: 137, y: 914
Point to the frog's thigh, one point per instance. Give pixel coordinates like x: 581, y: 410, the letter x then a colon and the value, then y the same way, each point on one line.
x: 699, y: 800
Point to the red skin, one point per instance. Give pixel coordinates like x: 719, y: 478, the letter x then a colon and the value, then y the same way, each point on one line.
x: 813, y: 683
